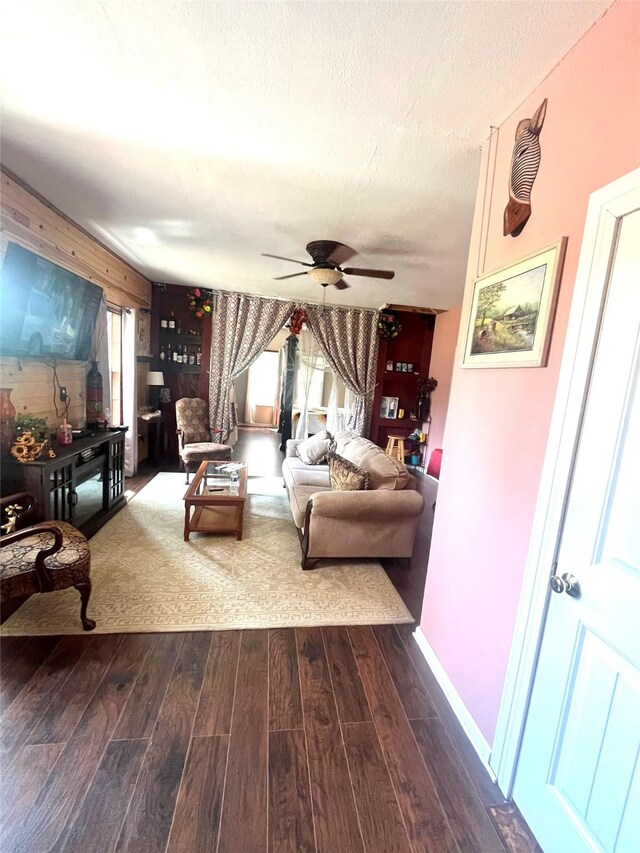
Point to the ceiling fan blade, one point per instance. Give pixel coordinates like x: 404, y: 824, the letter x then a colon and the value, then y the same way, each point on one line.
x: 280, y: 258
x: 293, y: 275
x: 341, y: 285
x: 370, y: 273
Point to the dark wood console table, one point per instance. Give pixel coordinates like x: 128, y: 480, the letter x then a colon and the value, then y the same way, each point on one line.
x: 83, y: 484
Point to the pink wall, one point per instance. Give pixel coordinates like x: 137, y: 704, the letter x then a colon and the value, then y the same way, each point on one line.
x: 443, y: 351
x: 498, y: 419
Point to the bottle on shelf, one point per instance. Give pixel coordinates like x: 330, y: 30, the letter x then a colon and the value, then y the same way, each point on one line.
x: 175, y: 355
x: 164, y: 323
x: 172, y: 322
x: 178, y: 326
x: 163, y: 354
x: 199, y: 357
x: 192, y: 358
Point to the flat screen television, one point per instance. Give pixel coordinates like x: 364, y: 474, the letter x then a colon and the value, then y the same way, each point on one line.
x: 45, y: 310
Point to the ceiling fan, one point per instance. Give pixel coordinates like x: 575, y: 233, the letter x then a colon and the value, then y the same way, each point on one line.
x: 324, y: 270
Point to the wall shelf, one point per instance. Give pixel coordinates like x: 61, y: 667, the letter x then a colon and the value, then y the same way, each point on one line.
x: 167, y: 337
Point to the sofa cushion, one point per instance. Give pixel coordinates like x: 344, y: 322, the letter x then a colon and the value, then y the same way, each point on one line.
x: 341, y: 440
x: 314, y: 449
x: 309, y: 475
x: 344, y: 476
x: 299, y: 498
x: 385, y: 472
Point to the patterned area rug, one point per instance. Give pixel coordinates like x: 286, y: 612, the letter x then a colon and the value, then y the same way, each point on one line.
x: 147, y: 578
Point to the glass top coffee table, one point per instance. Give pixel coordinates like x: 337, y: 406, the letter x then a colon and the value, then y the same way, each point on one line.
x: 212, y: 504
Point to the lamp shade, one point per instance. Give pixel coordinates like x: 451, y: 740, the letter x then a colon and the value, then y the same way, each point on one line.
x: 324, y: 276
x: 155, y: 377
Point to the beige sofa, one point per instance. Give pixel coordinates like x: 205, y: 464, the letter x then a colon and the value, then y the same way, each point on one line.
x: 379, y: 522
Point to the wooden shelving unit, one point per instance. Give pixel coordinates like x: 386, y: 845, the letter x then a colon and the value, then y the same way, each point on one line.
x: 182, y: 380
x: 412, y: 346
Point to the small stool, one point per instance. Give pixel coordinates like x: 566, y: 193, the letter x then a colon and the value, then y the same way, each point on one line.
x: 395, y: 447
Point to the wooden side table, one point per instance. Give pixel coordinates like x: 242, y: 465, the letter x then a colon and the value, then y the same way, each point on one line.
x: 156, y: 436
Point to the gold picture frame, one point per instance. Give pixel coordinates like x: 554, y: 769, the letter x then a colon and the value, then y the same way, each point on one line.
x: 511, y: 312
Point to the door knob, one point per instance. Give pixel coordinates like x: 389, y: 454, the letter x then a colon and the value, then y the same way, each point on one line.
x: 565, y: 583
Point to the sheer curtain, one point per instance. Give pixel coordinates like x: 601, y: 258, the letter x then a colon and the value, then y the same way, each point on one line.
x: 129, y: 390
x: 310, y: 361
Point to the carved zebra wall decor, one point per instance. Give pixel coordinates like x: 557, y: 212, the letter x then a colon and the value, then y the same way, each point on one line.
x: 525, y: 162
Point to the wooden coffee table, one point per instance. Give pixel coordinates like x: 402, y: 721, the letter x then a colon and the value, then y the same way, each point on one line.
x: 210, y: 505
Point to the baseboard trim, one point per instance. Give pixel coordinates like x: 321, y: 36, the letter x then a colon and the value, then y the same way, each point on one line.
x: 478, y: 740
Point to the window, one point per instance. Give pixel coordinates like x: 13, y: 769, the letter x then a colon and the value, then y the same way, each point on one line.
x: 114, y: 339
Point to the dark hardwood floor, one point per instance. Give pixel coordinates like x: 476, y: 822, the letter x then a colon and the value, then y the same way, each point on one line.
x: 311, y: 739
x: 307, y: 739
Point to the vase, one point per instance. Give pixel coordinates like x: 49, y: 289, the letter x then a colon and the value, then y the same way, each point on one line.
x: 7, y: 419
x: 95, y: 411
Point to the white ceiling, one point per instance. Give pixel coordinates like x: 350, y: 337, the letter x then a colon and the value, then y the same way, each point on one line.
x: 191, y: 136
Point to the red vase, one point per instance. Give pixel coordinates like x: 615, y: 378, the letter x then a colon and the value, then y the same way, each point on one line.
x: 7, y: 419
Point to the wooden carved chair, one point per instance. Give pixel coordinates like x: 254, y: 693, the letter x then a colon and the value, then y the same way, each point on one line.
x: 43, y: 557
x: 195, y: 436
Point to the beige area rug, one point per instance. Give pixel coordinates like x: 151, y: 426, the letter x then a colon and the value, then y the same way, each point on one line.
x: 147, y: 578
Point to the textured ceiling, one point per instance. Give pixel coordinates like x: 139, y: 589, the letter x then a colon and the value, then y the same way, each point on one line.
x: 191, y: 136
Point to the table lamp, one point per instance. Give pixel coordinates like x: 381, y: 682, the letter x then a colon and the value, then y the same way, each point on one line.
x: 155, y: 380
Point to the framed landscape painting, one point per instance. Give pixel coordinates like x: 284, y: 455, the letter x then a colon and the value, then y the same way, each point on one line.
x: 511, y: 312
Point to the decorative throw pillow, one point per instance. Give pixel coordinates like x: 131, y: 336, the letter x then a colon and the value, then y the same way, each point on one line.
x: 314, y: 450
x: 345, y: 476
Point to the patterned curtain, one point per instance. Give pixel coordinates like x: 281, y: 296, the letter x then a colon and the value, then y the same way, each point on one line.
x: 348, y: 338
x: 243, y: 326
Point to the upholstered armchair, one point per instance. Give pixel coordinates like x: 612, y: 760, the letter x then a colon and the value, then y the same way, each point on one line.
x: 43, y: 557
x: 195, y: 436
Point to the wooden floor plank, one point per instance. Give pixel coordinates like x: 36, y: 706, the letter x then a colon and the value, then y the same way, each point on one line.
x: 21, y: 784
x: 468, y: 819
x: 97, y: 825
x: 334, y: 811
x: 347, y: 686
x: 285, y: 705
x: 216, y: 699
x: 60, y: 719
x: 197, y: 816
x: 380, y: 819
x: 21, y: 667
x: 486, y: 789
x: 423, y: 815
x: 61, y: 796
x: 9, y: 647
x: 412, y: 693
x: 243, y: 824
x: 139, y: 716
x: 148, y: 820
x: 40, y: 692
x: 290, y: 819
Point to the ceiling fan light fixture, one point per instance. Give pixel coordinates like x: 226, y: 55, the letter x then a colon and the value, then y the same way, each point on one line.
x: 324, y: 276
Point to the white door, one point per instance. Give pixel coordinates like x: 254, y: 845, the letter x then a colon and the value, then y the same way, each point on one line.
x: 578, y: 775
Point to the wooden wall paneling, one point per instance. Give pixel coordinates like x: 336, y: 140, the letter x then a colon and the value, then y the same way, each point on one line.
x: 30, y: 221
x: 33, y: 387
x: 37, y: 225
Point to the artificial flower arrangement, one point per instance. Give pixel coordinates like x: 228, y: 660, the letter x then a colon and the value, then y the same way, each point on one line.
x: 200, y: 302
x: 389, y: 326
x: 298, y: 319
